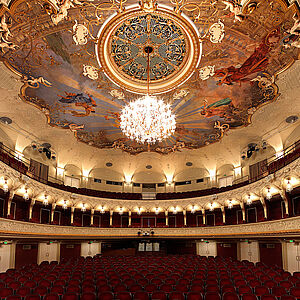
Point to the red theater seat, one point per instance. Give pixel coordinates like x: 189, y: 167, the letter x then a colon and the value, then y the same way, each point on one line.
x: 51, y: 296
x: 123, y: 296
x: 194, y: 296
x: 268, y: 297
x: 23, y: 291
x: 176, y: 296
x: 248, y: 297
x: 295, y: 291
x: 106, y: 296
x: 158, y: 295
x: 70, y: 296
x: 141, y: 295
x: 33, y: 297
x: 230, y: 296
x: 212, y: 296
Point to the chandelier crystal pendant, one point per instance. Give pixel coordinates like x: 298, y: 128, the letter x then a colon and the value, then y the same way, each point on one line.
x: 147, y: 119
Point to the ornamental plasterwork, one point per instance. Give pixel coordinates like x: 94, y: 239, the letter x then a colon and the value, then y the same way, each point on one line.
x: 224, y: 54
x: 278, y: 228
x: 238, y: 196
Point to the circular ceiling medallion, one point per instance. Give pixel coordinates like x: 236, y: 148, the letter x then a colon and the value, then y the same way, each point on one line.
x: 136, y: 45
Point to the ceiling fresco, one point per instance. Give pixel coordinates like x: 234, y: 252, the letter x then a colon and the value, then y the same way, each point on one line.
x: 214, y: 62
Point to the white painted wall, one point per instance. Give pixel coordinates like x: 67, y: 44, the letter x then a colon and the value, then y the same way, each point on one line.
x: 250, y: 251
x: 293, y: 257
x: 90, y: 249
x: 207, y: 249
x: 7, y: 257
x: 48, y: 252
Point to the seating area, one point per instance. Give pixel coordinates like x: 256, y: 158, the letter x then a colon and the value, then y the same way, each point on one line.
x: 173, y: 277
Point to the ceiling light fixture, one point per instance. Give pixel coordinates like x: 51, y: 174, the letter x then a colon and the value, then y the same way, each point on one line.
x: 147, y: 119
x: 139, y: 210
x: 156, y: 210
x: 25, y: 195
x: 45, y: 201
x: 102, y: 210
x: 211, y: 206
x: 288, y: 188
x: 193, y: 210
x: 65, y: 204
x: 268, y: 195
x: 230, y: 204
x: 5, y: 186
x: 249, y: 200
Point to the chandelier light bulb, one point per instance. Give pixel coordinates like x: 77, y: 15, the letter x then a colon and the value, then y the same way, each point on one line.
x: 156, y: 210
x: 289, y: 186
x: 269, y: 195
x: 147, y: 120
x: 121, y: 211
x: 102, y: 211
x: 211, y: 207
x: 83, y: 208
x: 230, y: 204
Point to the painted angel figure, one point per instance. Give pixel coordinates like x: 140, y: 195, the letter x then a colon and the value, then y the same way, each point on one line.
x: 4, y: 28
x: 235, y: 8
x: 63, y: 10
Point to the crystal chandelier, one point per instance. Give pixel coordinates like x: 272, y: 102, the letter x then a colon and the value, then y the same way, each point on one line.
x: 148, y: 119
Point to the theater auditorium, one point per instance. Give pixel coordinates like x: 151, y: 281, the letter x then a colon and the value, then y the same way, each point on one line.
x: 149, y: 150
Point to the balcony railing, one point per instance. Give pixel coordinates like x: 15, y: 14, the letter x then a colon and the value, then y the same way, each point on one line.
x: 20, y: 163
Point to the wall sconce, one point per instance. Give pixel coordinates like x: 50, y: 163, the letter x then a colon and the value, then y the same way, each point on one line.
x: 211, y: 206
x: 102, y: 210
x: 193, y: 210
x: 249, y: 200
x: 45, y: 201
x: 288, y: 188
x: 83, y: 208
x: 175, y: 210
x: 230, y: 204
x: 5, y: 186
x: 156, y: 210
x: 25, y: 195
x: 139, y: 211
x: 121, y: 211
x: 65, y: 204
x: 60, y: 171
x: 268, y: 195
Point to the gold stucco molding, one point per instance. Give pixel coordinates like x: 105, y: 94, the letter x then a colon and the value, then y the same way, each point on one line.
x: 37, y: 190
x: 278, y: 228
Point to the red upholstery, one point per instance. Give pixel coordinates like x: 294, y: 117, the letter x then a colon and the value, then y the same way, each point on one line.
x: 295, y: 291
x: 32, y: 297
x: 248, y: 297
x: 230, y: 296
x: 123, y: 296
x: 194, y: 296
x: 176, y: 296
x: 140, y: 295
x: 158, y: 295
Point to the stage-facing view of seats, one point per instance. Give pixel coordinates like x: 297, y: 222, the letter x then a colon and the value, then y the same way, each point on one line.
x: 173, y: 277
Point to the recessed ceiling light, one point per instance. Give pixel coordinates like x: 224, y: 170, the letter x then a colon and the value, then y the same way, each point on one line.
x: 188, y: 164
x: 291, y: 119
x: 109, y: 164
x: 6, y: 120
x: 148, y: 167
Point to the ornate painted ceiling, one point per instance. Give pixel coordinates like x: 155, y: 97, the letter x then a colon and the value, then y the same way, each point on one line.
x: 214, y: 62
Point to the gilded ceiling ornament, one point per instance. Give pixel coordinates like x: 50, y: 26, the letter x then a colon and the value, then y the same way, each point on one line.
x: 91, y: 72
x: 80, y: 34
x: 206, y: 72
x: 180, y: 94
x: 117, y: 94
x: 148, y: 5
x: 216, y: 32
